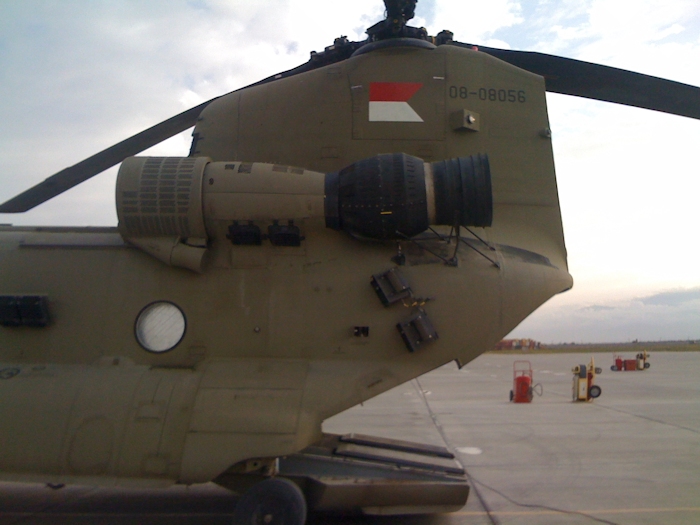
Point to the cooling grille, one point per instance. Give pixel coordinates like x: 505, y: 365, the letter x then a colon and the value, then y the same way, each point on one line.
x: 161, y: 205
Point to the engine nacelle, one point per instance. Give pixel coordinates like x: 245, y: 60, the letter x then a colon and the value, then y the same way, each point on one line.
x: 168, y: 205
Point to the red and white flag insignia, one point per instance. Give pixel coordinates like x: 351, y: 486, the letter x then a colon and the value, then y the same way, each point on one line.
x: 388, y: 102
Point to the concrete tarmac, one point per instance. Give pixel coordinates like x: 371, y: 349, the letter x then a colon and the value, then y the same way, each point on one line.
x: 632, y: 456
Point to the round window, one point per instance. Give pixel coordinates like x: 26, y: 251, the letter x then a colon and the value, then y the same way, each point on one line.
x: 160, y: 326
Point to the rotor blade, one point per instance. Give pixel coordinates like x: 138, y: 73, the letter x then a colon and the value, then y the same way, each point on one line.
x: 74, y: 175
x: 609, y: 84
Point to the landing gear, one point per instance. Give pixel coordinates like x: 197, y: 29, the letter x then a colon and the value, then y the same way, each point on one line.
x: 275, y: 501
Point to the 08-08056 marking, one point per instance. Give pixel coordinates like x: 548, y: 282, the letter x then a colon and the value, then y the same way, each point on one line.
x: 490, y: 94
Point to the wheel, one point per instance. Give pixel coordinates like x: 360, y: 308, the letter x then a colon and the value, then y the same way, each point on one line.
x: 613, y: 368
x: 511, y: 395
x: 275, y: 501
x: 594, y: 391
x: 647, y: 365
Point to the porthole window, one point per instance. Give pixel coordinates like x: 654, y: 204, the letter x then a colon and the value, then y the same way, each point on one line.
x: 160, y: 326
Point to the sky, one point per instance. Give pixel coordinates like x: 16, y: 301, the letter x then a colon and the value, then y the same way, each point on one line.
x: 77, y: 76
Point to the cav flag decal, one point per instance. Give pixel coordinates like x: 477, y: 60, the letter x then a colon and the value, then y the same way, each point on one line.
x: 388, y: 102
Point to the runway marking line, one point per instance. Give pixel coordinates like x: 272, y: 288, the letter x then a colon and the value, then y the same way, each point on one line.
x: 563, y: 511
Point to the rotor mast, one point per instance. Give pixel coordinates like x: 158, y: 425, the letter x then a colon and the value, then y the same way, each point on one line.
x: 398, y: 12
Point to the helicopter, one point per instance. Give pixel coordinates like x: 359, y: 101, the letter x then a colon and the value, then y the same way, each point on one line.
x: 336, y: 230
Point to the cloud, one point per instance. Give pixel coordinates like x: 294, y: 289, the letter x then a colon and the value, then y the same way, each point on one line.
x: 673, y: 298
x: 668, y: 315
x: 598, y: 308
x: 473, y: 22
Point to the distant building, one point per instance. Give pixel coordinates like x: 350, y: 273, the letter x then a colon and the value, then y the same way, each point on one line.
x: 518, y: 344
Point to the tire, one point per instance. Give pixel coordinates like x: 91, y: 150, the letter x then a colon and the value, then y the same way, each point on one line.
x: 594, y: 391
x: 275, y: 501
x: 613, y: 368
x: 647, y: 365
x: 511, y: 395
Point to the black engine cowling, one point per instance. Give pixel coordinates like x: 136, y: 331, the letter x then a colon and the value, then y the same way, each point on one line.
x: 392, y: 196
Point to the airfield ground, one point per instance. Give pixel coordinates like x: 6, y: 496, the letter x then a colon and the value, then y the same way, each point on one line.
x: 630, y: 457
x: 631, y: 349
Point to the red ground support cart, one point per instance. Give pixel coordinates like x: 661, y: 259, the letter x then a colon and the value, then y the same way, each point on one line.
x: 630, y: 365
x: 522, y: 383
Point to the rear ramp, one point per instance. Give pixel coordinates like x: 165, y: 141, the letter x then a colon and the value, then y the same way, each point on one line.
x: 362, y: 474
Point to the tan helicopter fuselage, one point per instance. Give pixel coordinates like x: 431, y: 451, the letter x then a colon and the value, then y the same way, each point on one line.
x: 277, y: 338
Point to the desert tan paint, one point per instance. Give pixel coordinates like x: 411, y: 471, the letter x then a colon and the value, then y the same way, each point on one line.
x: 269, y: 350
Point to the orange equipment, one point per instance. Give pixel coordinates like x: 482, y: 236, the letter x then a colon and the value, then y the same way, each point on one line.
x: 584, y: 377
